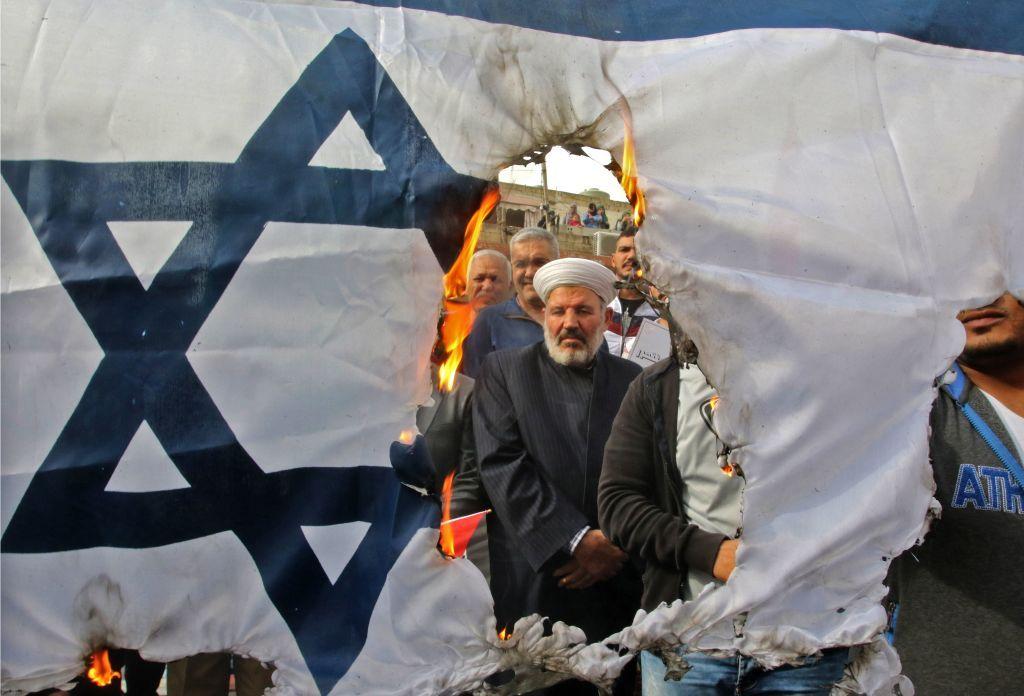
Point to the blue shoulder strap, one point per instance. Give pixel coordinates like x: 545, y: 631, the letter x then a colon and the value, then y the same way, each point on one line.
x: 956, y: 390
x: 958, y: 385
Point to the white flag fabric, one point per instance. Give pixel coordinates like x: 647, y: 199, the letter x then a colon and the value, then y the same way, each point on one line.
x: 224, y: 231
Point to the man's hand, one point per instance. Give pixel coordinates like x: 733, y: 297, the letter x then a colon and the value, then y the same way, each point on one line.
x: 595, y: 559
x: 725, y: 561
x: 574, y: 577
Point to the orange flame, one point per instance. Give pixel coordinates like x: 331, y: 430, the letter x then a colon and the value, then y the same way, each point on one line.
x: 100, y: 671
x: 447, y: 540
x: 728, y: 469
x: 504, y: 634
x: 629, y: 177
x: 458, y: 319
x: 407, y: 436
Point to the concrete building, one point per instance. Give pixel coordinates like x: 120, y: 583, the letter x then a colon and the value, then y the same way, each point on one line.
x: 520, y: 207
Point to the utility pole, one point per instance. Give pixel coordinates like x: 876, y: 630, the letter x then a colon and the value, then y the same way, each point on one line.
x: 544, y: 177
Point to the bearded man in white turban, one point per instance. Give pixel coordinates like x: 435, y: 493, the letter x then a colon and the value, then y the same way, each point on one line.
x: 541, y: 416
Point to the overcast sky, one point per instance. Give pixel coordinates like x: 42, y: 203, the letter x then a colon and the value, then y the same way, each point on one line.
x: 570, y: 173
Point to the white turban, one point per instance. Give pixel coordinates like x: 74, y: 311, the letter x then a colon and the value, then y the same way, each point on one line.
x: 579, y: 273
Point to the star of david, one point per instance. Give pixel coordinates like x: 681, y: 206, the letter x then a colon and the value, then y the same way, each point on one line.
x: 144, y: 333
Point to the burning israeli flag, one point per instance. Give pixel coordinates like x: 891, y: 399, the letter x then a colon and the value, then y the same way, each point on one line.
x: 225, y: 229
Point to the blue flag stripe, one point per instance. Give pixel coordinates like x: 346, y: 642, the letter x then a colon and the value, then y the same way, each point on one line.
x: 995, y: 25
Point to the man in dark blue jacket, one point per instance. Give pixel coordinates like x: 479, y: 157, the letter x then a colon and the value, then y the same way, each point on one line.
x: 515, y: 322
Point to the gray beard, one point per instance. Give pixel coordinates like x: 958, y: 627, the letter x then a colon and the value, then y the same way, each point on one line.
x: 579, y: 357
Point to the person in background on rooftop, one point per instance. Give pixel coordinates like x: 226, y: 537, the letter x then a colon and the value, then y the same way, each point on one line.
x: 490, y: 279
x: 591, y: 219
x: 602, y: 218
x: 549, y: 219
x: 625, y: 223
x: 569, y: 215
x: 574, y: 220
x: 516, y: 322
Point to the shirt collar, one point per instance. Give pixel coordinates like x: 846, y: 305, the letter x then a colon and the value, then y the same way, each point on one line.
x: 510, y: 309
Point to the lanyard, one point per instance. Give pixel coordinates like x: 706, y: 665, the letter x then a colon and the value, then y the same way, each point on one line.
x: 1002, y: 452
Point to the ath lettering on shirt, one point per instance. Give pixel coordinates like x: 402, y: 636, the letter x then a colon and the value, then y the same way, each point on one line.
x: 988, y: 488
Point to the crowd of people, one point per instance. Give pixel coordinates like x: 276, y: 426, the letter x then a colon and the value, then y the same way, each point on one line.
x: 607, y: 494
x: 595, y: 217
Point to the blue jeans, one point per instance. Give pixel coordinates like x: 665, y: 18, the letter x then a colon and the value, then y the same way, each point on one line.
x: 732, y: 676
